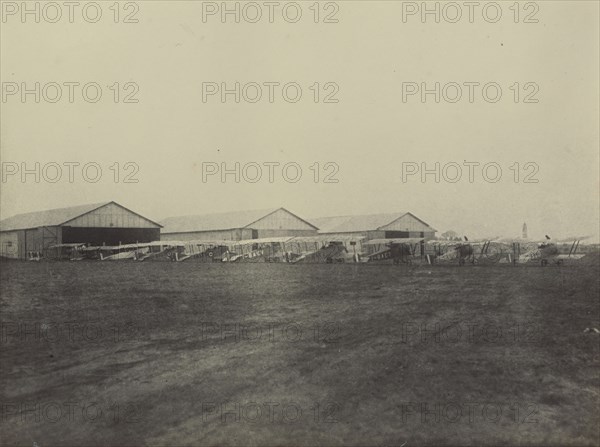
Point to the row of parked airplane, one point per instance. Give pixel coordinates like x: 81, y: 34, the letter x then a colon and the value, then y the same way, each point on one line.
x: 323, y: 249
x: 516, y: 251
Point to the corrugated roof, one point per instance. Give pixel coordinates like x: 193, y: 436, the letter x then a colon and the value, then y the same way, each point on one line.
x: 213, y: 222
x: 365, y: 222
x: 47, y: 218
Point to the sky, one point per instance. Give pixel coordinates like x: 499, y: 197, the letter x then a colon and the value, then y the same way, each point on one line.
x: 361, y: 132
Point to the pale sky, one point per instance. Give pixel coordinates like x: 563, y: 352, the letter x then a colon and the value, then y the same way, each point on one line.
x: 368, y: 134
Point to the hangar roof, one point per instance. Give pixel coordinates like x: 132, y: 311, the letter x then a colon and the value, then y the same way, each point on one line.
x: 365, y: 222
x: 53, y: 217
x: 218, y: 221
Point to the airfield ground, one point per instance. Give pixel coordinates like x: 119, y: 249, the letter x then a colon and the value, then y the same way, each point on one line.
x: 160, y: 354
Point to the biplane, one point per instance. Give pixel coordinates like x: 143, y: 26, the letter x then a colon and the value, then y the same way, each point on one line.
x: 260, y: 250
x: 400, y: 251
x: 157, y: 250
x: 200, y: 251
x: 547, y: 251
x: 148, y: 251
x: 81, y: 251
x: 465, y: 251
x: 327, y: 249
x: 118, y: 252
x: 70, y: 252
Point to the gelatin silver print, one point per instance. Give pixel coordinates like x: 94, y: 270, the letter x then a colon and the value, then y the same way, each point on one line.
x: 299, y: 223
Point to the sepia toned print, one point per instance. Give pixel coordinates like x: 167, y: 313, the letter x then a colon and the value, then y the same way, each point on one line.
x: 299, y: 223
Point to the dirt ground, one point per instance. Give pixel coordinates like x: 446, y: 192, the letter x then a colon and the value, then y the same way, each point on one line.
x: 161, y: 354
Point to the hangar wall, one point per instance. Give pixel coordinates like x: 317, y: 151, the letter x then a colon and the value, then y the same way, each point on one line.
x: 281, y: 220
x: 17, y: 243
x: 408, y: 223
x: 9, y: 244
x: 111, y: 215
x: 284, y: 233
x: 109, y: 236
x: 219, y: 235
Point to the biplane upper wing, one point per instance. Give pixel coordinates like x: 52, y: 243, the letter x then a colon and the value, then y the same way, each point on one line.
x: 408, y: 240
x: 71, y: 245
x: 264, y: 240
x: 206, y: 243
x: 474, y: 243
x: 326, y: 238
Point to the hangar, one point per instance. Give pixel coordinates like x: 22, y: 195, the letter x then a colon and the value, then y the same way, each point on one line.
x: 106, y: 223
x: 237, y: 225
x: 376, y: 226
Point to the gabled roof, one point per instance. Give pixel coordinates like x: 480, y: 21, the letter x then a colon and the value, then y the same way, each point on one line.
x: 218, y: 221
x: 54, y: 217
x: 47, y: 218
x: 364, y: 222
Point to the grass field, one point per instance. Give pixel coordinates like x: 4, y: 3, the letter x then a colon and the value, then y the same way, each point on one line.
x: 160, y: 354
